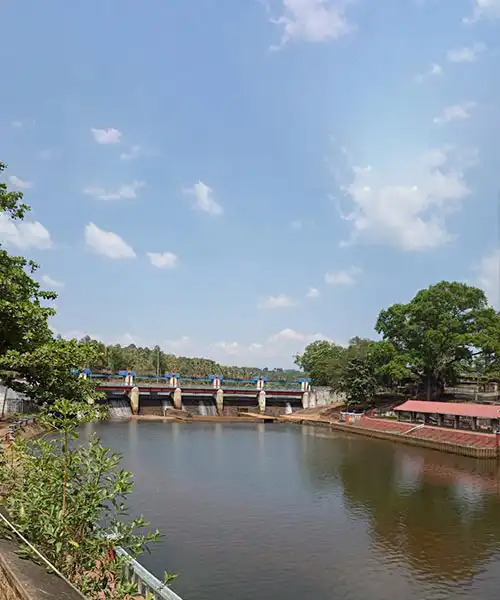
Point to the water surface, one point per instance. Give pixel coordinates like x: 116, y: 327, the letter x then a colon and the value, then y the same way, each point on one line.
x: 258, y: 512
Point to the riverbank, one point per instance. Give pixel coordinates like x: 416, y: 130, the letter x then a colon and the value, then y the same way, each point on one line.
x: 465, y: 443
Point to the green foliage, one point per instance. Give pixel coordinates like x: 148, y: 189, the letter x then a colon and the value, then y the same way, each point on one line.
x: 31, y: 360
x: 321, y: 361
x: 439, y: 332
x: 69, y: 502
x: 151, y: 361
x: 445, y: 331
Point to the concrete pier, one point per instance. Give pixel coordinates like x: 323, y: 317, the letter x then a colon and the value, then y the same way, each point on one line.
x: 177, y: 398
x: 262, y: 401
x: 134, y: 400
x: 219, y: 401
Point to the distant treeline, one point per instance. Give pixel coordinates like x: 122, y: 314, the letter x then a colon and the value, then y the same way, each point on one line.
x: 153, y: 361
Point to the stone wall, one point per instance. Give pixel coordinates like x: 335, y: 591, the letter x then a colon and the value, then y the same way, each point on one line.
x: 325, y: 396
x: 24, y: 580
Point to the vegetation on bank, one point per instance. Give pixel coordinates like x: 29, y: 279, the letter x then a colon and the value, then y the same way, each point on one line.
x: 67, y: 499
x: 445, y: 333
x: 153, y: 361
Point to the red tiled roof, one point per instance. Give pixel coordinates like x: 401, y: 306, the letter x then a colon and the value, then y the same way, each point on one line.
x: 483, y: 411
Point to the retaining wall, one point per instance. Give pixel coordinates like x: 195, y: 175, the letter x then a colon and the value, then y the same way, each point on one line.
x: 490, y: 453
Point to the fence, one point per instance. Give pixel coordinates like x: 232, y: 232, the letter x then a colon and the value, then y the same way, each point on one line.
x: 146, y: 582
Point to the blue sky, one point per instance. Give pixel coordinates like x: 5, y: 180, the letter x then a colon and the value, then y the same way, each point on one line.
x: 236, y: 178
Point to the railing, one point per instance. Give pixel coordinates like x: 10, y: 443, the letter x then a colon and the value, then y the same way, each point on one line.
x: 146, y: 582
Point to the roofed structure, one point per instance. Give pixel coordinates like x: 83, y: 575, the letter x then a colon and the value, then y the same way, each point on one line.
x: 481, y: 411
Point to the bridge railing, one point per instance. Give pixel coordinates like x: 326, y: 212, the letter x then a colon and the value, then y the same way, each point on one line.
x: 147, y: 583
x: 197, y: 382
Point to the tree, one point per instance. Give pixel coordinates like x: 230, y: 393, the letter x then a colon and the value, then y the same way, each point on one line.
x: 31, y: 360
x: 444, y: 327
x: 321, y: 361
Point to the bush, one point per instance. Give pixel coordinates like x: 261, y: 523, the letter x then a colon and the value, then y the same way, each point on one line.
x: 69, y: 501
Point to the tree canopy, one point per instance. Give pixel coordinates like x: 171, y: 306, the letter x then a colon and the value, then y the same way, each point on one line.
x: 32, y: 360
x: 444, y: 332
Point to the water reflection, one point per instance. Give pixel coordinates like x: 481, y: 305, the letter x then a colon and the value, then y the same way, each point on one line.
x: 259, y: 511
x: 440, y: 512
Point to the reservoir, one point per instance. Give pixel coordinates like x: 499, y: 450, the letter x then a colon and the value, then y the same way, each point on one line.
x: 285, y: 512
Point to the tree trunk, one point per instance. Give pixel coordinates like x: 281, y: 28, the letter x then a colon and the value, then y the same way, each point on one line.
x: 429, y: 387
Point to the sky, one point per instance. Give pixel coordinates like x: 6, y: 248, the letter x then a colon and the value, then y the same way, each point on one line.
x: 234, y: 179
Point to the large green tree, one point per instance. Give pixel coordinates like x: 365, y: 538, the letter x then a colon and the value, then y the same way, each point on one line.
x: 443, y: 329
x: 321, y: 360
x: 31, y: 359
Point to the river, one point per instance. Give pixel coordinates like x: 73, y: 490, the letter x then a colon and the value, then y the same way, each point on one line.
x: 285, y: 512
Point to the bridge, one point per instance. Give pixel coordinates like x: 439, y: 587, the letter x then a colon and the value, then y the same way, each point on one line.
x: 207, y: 396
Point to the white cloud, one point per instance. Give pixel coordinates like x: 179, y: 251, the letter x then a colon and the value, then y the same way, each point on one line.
x: 313, y: 20
x: 456, y: 112
x: 204, y: 199
x: 53, y: 283
x: 124, y: 192
x: 286, y: 335
x: 163, y: 260
x: 17, y: 124
x: 434, y: 70
x: 465, y: 54
x: 279, y: 301
x: 484, y: 9
x: 230, y: 348
x: 177, y: 345
x: 106, y: 136
x: 107, y: 243
x: 408, y: 212
x: 296, y: 225
x: 343, y: 276
x: 23, y: 234
x: 131, y: 154
x: 313, y: 293
x: 20, y: 183
x: 488, y: 276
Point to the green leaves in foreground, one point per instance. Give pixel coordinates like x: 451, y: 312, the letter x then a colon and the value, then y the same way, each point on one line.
x: 70, y: 502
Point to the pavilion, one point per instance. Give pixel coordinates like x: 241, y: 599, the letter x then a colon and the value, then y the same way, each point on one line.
x: 450, y: 411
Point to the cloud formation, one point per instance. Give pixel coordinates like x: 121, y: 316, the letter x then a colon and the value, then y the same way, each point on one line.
x: 274, y: 302
x: 20, y: 183
x: 106, y: 136
x: 488, y: 276
x: 124, y: 192
x: 466, y: 54
x: 313, y: 20
x: 456, y: 112
x: 203, y: 199
x: 52, y: 283
x: 23, y: 234
x: 107, y: 243
x: 343, y: 276
x: 163, y: 260
x: 408, y: 212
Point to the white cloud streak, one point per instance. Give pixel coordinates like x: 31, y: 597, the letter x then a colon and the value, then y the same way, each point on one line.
x: 106, y: 136
x: 313, y: 21
x: 343, y: 276
x: 107, y: 243
x: 275, y: 302
x: 20, y: 184
x: 488, y: 276
x: 204, y: 200
x: 133, y: 153
x: 52, y: 283
x: 163, y: 260
x: 124, y: 192
x: 313, y: 293
x: 23, y: 234
x: 456, y: 112
x: 466, y: 54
